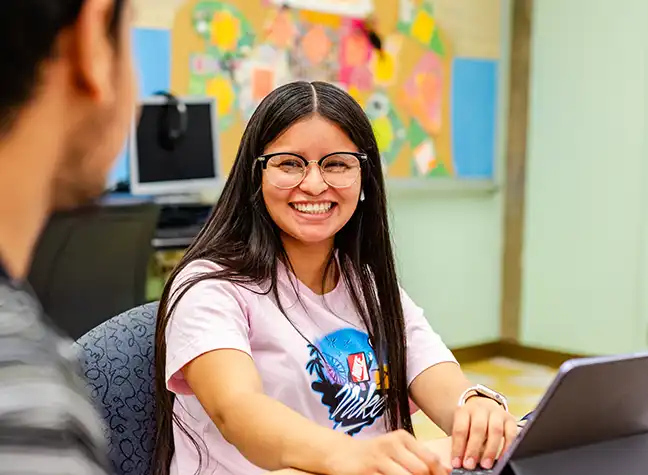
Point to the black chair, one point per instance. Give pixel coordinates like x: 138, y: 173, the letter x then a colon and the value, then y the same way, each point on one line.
x: 91, y: 264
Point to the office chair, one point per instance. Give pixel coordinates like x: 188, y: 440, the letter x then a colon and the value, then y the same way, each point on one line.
x: 117, y: 361
x: 91, y: 264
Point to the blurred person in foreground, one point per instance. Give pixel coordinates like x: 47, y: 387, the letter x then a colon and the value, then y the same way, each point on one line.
x: 67, y: 94
x: 67, y: 97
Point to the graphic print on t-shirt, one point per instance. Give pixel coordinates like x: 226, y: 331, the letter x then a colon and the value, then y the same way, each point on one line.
x: 346, y: 375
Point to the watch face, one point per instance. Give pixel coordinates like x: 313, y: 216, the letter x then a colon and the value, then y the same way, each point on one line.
x: 497, y: 397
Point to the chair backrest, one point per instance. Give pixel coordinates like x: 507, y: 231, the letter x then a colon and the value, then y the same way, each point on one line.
x: 91, y: 264
x: 117, y: 361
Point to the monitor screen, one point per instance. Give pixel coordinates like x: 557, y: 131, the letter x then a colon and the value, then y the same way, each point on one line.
x: 190, y: 166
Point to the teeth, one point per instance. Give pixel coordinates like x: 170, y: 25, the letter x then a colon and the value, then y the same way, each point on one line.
x: 313, y: 208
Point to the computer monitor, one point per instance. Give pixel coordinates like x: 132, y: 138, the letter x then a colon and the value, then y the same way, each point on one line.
x: 191, y: 167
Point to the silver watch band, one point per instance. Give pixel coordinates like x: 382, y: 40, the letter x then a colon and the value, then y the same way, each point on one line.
x: 483, y: 391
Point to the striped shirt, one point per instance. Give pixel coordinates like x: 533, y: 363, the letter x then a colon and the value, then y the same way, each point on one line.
x: 47, y: 424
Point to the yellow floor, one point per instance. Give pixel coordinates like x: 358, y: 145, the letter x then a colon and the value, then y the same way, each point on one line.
x: 522, y: 383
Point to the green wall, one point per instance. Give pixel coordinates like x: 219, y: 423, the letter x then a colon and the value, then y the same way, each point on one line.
x: 586, y: 247
x: 448, y: 250
x: 449, y: 241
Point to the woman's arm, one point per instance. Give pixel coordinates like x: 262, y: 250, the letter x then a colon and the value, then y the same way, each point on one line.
x: 267, y: 433
x: 436, y: 381
x: 208, y: 355
x: 480, y: 428
x: 436, y: 392
x: 273, y: 436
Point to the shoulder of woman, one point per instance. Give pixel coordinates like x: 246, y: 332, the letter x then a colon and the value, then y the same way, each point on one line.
x: 200, y: 266
x: 189, y: 289
x: 203, y: 267
x: 194, y: 270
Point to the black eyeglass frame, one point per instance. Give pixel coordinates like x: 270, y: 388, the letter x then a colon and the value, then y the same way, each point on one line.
x: 263, y: 159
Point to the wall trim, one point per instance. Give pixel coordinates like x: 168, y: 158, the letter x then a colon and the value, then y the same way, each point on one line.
x: 512, y: 350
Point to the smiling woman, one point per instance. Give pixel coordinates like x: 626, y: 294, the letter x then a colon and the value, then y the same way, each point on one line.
x: 311, y: 199
x: 284, y: 339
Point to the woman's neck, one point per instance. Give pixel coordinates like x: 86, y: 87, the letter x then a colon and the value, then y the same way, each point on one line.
x: 309, y: 262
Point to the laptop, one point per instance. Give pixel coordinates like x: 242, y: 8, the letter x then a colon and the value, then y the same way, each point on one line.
x: 593, y: 420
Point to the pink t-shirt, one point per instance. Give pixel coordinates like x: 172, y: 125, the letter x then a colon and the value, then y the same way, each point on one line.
x: 329, y: 375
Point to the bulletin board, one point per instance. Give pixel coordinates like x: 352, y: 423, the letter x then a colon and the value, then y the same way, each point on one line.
x: 238, y: 51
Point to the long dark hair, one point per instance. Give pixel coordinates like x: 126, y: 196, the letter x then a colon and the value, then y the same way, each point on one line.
x: 243, y: 240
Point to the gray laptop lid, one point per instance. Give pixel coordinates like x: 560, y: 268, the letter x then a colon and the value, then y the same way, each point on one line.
x: 591, y: 400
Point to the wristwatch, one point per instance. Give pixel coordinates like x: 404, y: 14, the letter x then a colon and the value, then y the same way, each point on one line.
x: 482, y: 391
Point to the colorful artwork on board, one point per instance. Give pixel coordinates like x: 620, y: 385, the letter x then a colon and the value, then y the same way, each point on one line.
x: 248, y: 48
x: 256, y: 76
x: 314, y: 56
x: 406, y: 11
x: 204, y: 65
x: 227, y: 37
x: 355, y: 57
x: 424, y: 161
x: 388, y: 128
x: 321, y: 18
x: 423, y: 92
x: 281, y: 29
x: 219, y: 86
x: 384, y: 64
x: 418, y: 22
x: 226, y: 31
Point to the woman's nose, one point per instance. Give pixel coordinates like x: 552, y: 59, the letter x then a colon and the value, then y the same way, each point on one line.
x: 313, y: 182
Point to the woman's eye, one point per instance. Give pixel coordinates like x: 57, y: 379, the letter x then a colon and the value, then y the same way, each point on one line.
x: 336, y: 166
x: 290, y: 163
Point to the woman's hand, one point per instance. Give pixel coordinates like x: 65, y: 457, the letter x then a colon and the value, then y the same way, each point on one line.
x: 396, y: 453
x: 482, y: 429
x: 442, y: 448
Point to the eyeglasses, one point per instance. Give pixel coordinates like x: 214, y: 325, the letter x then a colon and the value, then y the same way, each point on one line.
x: 287, y: 170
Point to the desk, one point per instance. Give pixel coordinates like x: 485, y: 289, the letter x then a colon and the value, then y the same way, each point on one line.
x: 174, y: 238
x: 179, y: 224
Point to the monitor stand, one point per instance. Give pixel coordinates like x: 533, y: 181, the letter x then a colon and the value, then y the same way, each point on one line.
x: 623, y: 456
x: 178, y: 199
